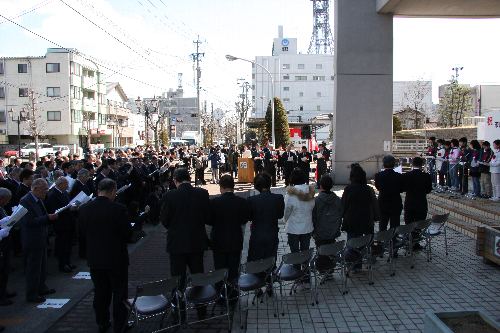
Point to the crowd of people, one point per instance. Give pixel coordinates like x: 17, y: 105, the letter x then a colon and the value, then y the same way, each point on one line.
x: 451, y: 163
x: 133, y: 187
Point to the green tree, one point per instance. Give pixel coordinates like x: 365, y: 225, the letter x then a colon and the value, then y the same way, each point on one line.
x: 455, y: 104
x: 396, y: 124
x: 281, y: 129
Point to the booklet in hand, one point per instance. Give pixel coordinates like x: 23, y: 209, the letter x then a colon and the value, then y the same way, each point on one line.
x: 123, y: 188
x: 16, y: 216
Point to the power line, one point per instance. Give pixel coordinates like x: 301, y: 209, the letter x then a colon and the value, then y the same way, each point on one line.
x: 27, y: 11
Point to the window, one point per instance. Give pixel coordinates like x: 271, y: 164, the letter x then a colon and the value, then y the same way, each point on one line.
x: 286, y: 99
x: 286, y: 77
x: 253, y: 75
x: 101, y: 98
x: 301, y: 78
x: 318, y: 107
x: 23, y: 92
x: 75, y: 68
x: 76, y: 116
x: 286, y: 88
x: 53, y: 67
x: 286, y: 66
x: 1, y: 68
x: 319, y: 66
x: 89, y: 94
x: 318, y: 94
x: 318, y: 78
x: 54, y: 115
x: 53, y: 91
x: 301, y: 108
x: 301, y: 66
x: 2, y: 92
x: 332, y: 77
x: 102, y: 119
x: 75, y: 92
x: 301, y: 94
x: 22, y: 68
x: 2, y: 116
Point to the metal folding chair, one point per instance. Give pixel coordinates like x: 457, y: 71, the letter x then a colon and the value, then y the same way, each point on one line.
x: 404, y: 239
x: 357, y: 252
x: 294, y: 269
x: 201, y: 291
x: 328, y: 257
x: 382, y: 243
x: 156, y: 298
x: 254, y: 276
x: 437, y: 228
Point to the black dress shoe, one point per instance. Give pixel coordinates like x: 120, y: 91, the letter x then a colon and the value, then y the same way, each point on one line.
x: 48, y: 292
x: 38, y: 299
x: 5, y: 302
x: 10, y: 294
x: 104, y: 327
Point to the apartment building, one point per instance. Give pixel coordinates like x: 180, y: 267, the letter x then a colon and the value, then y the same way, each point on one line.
x: 70, y: 100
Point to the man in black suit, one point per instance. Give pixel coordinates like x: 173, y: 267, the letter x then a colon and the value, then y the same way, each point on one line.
x: 417, y: 184
x: 289, y: 159
x: 81, y: 184
x: 34, y: 230
x: 389, y: 184
x: 25, y: 179
x: 184, y: 213
x: 5, y: 196
x: 107, y: 229
x: 64, y: 227
x: 102, y: 173
x: 229, y: 214
x: 304, y: 161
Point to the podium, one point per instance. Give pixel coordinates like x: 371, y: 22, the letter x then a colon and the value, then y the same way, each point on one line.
x: 246, y: 172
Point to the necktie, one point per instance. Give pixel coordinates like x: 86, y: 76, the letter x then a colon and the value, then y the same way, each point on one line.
x: 42, y: 206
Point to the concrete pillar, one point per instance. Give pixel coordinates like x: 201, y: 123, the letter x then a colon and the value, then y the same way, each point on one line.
x: 363, y: 86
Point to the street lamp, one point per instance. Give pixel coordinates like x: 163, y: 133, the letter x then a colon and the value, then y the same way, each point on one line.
x: 22, y: 116
x: 149, y: 106
x: 233, y: 58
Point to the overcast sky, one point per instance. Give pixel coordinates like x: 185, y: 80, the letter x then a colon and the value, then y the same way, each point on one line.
x: 163, y: 32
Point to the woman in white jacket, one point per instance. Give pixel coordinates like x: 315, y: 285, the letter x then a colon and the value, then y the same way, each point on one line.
x: 299, y: 204
x: 495, y: 171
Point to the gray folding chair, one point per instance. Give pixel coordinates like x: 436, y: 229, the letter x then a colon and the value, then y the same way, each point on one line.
x: 437, y: 228
x: 156, y: 298
x: 404, y: 240
x: 201, y: 291
x: 328, y: 257
x: 421, y: 234
x: 382, y: 243
x: 294, y: 269
x: 357, y: 252
x: 254, y: 276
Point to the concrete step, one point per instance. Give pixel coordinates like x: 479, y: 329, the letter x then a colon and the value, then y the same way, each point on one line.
x: 483, y: 209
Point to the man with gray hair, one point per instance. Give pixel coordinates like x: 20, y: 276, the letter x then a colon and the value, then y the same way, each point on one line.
x: 34, y: 231
x: 5, y: 196
x: 80, y: 185
x: 64, y: 227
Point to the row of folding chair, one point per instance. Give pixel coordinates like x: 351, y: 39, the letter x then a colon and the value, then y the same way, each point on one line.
x: 164, y: 298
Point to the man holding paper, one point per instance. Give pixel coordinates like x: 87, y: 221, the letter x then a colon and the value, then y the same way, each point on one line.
x: 5, y: 196
x: 64, y: 227
x: 34, y: 230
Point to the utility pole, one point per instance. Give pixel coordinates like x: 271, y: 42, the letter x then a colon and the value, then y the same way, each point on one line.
x: 196, y: 59
x: 33, y: 124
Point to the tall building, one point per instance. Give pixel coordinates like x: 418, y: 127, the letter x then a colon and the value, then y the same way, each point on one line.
x: 70, y: 95
x: 304, y: 82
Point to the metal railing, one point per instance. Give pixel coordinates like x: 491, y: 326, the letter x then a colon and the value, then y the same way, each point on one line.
x: 409, y: 145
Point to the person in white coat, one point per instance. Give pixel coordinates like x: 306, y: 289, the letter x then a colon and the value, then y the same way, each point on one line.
x: 299, y: 204
x: 495, y: 171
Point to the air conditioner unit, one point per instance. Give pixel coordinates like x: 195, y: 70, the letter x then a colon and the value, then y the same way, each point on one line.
x: 3, y: 132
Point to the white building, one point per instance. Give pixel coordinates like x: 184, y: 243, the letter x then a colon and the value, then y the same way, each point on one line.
x: 411, y: 94
x: 69, y: 93
x: 485, y: 98
x: 304, y: 82
x: 118, y: 116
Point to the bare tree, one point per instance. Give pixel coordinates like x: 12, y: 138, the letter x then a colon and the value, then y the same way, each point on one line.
x: 34, y: 123
x: 414, y: 99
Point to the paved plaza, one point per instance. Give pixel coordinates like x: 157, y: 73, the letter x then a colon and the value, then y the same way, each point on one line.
x: 459, y: 281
